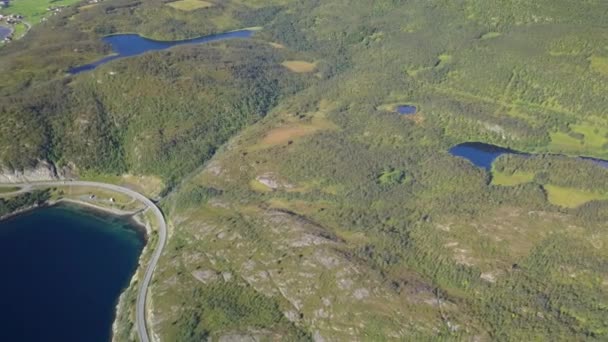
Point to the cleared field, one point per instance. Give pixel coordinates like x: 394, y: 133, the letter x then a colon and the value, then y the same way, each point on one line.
x: 284, y: 134
x: 100, y: 195
x: 571, y: 197
x: 289, y: 132
x: 490, y: 35
x: 300, y: 67
x: 149, y: 185
x: 562, y: 142
x: 258, y: 186
x: 587, y: 137
x: 34, y: 10
x: 8, y: 190
x: 599, y: 64
x: 277, y: 45
x: 503, y: 179
x: 190, y: 5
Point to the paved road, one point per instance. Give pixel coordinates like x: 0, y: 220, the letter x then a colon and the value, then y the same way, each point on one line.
x: 162, y: 238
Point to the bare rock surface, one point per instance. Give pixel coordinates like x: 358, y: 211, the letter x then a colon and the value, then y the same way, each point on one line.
x: 42, y: 172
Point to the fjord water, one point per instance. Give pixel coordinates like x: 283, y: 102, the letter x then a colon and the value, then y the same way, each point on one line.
x: 63, y: 270
x: 128, y: 45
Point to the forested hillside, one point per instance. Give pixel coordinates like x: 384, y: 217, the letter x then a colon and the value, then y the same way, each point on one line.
x: 301, y: 205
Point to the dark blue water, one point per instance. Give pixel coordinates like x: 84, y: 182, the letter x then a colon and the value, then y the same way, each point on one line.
x: 483, y: 155
x: 406, y: 110
x: 4, y: 32
x: 62, y: 273
x: 128, y: 45
x: 480, y: 154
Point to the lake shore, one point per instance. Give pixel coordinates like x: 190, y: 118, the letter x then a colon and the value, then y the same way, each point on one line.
x: 130, y: 215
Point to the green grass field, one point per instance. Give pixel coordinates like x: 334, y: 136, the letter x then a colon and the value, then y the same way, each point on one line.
x: 34, y: 10
x: 586, y: 139
x: 518, y: 177
x: 571, y: 197
x: 599, y: 64
x: 8, y: 190
x: 190, y: 5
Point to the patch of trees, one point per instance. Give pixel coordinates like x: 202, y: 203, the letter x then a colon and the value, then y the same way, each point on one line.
x: 196, y: 196
x: 23, y: 201
x: 191, y: 100
x: 229, y: 307
x: 563, y: 171
x: 251, y: 17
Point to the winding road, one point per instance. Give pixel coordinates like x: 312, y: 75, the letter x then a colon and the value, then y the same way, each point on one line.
x: 140, y: 311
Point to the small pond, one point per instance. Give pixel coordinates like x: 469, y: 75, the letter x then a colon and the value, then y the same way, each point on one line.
x: 5, y: 32
x: 406, y: 109
x: 480, y: 154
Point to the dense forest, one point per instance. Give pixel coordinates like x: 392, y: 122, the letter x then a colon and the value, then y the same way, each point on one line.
x: 24, y: 201
x: 302, y: 206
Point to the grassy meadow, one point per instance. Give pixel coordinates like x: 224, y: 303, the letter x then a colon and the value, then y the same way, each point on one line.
x: 8, y: 190
x: 190, y: 5
x: 34, y: 10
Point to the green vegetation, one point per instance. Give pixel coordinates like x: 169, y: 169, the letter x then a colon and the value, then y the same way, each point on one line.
x: 8, y: 190
x: 373, y: 230
x: 392, y: 177
x: 23, y: 201
x: 190, y: 5
x: 34, y: 10
x: 106, y: 127
x: 590, y: 137
x: 571, y: 197
x: 599, y: 64
x: 516, y: 178
x: 20, y: 30
x: 231, y: 306
x: 196, y: 196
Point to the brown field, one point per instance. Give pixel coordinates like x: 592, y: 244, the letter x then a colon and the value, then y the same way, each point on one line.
x: 84, y: 7
x: 417, y: 118
x: 282, y: 135
x: 299, y: 66
x: 277, y: 45
x: 292, y: 131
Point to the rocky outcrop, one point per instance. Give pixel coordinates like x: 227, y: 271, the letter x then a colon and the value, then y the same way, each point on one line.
x: 44, y: 171
x: 273, y: 182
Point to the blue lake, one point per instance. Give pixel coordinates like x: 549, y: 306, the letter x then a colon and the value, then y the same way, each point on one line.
x: 129, y: 45
x: 63, y: 270
x: 407, y: 110
x: 483, y: 155
x: 480, y: 154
